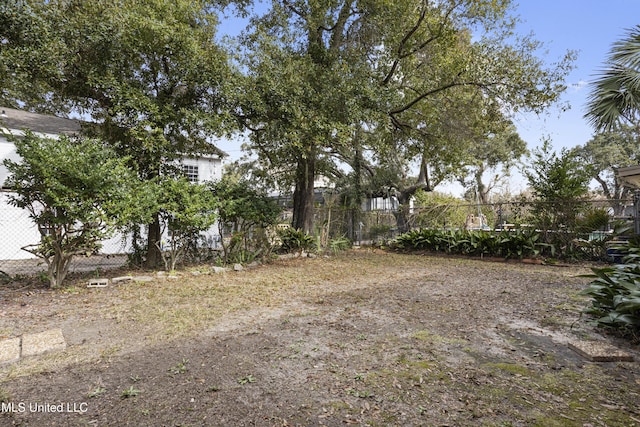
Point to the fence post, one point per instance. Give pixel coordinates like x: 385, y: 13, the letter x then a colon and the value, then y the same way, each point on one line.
x: 636, y: 212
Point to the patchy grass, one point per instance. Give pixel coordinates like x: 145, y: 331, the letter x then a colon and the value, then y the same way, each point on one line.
x: 364, y: 338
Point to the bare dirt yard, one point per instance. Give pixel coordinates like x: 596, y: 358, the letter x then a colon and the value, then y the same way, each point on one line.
x: 362, y: 338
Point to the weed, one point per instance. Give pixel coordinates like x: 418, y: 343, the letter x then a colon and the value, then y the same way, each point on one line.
x: 96, y: 392
x: 180, y: 368
x: 213, y: 389
x: 246, y: 379
x: 551, y: 321
x: 511, y: 368
x: 130, y: 392
x: 339, y: 244
x: 364, y: 394
x: 296, y: 241
x: 295, y: 348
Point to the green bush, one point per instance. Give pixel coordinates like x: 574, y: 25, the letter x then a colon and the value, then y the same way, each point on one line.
x: 247, y: 216
x: 296, y: 241
x: 615, y: 294
x: 77, y: 192
x: 507, y: 244
x: 379, y: 232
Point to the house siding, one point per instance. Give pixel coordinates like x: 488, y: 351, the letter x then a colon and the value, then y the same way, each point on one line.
x: 17, y: 230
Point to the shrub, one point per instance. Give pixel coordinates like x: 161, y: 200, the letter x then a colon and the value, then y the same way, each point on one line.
x: 615, y: 294
x: 559, y: 183
x: 379, y: 232
x: 77, y: 191
x: 593, y: 219
x: 187, y: 209
x: 507, y: 244
x: 339, y: 244
x: 246, y: 214
x: 296, y: 241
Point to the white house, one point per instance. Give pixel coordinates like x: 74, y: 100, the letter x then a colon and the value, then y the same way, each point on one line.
x: 18, y: 230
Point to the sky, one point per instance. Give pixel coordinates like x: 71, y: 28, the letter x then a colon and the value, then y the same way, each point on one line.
x: 588, y: 27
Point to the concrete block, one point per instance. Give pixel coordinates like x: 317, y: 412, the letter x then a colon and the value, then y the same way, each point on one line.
x: 596, y: 351
x: 43, y: 342
x: 97, y: 283
x: 9, y: 350
x: 121, y: 279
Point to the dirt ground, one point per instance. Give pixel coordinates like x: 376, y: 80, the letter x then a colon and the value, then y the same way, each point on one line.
x: 361, y: 338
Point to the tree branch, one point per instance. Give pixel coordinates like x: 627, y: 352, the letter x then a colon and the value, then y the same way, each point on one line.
x: 402, y: 44
x: 427, y: 94
x: 292, y: 8
x: 337, y: 37
x: 605, y: 187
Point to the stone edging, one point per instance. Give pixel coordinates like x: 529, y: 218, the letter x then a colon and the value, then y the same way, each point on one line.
x: 13, y: 349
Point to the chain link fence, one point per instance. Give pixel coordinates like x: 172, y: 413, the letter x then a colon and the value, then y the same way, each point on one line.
x: 589, y: 220
x: 18, y: 231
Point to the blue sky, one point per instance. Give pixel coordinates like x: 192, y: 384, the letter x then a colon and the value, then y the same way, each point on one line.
x: 588, y: 27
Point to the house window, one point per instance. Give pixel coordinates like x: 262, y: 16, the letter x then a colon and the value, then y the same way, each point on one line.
x: 191, y: 172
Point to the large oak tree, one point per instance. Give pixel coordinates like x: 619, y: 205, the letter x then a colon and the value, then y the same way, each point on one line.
x: 322, y: 71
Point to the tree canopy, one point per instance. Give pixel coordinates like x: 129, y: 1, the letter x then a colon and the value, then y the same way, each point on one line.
x: 607, y: 151
x: 366, y: 86
x: 323, y: 73
x: 151, y: 75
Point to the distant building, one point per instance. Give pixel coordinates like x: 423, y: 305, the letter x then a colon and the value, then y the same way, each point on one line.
x: 381, y: 204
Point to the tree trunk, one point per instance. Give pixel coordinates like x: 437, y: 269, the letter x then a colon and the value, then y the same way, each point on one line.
x: 402, y: 218
x: 404, y: 197
x: 154, y: 237
x: 483, y: 191
x: 356, y: 207
x: 303, y: 194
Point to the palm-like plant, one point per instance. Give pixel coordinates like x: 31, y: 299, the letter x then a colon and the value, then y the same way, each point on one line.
x: 615, y: 95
